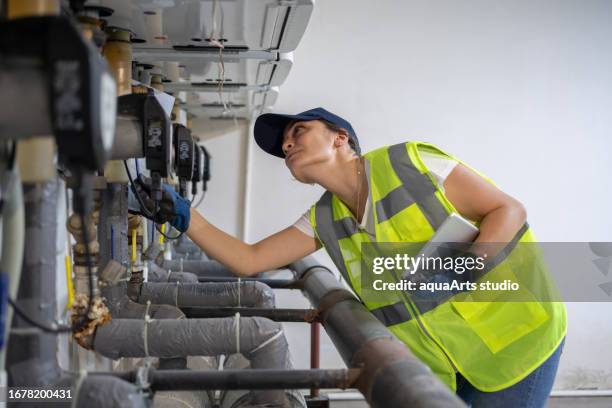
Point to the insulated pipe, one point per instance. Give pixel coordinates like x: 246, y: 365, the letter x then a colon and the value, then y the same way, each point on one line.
x: 271, y: 282
x: 157, y: 274
x: 239, y: 398
x: 278, y: 315
x: 121, y: 307
x: 108, y: 392
x: 260, y: 340
x: 185, y: 247
x: 31, y: 358
x: 392, y: 376
x: 208, y: 268
x: 247, y: 294
x: 13, y: 235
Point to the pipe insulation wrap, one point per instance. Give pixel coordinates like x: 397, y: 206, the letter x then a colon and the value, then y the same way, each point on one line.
x: 108, y: 392
x: 260, y: 340
x: 181, y: 399
x: 250, y: 294
x: 208, y: 268
x: 242, y: 398
x: 31, y: 358
x: 13, y: 235
x: 122, y: 307
x: 158, y: 274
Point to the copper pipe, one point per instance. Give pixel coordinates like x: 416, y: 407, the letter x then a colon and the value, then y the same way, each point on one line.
x: 29, y: 8
x: 156, y: 82
x: 118, y: 53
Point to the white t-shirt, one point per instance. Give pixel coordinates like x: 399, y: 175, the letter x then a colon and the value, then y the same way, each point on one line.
x: 439, y: 166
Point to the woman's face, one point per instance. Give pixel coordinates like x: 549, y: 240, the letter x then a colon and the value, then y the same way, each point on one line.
x: 306, y: 144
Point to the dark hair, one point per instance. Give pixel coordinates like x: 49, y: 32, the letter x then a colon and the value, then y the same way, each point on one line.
x: 331, y: 127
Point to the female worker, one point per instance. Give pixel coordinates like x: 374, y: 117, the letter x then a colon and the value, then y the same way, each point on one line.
x: 501, y: 354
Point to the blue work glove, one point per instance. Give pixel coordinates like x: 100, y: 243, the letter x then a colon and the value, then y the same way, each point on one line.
x: 172, y: 208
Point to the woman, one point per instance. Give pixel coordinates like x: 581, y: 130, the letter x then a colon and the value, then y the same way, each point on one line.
x: 501, y: 354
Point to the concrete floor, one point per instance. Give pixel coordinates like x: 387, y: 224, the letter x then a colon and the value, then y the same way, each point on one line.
x: 355, y: 401
x: 580, y: 402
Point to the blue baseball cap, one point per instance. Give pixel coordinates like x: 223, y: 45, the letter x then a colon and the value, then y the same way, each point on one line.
x: 269, y: 128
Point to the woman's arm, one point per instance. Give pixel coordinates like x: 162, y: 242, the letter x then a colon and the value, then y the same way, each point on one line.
x: 501, y: 216
x: 275, y: 251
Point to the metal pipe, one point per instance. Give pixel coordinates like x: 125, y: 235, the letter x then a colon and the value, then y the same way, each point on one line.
x: 315, y: 337
x: 29, y: 8
x: 118, y: 53
x: 86, y: 259
x: 278, y: 315
x: 392, y: 376
x: 252, y: 379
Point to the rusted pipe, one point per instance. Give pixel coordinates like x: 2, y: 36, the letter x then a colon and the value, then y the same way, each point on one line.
x: 252, y: 379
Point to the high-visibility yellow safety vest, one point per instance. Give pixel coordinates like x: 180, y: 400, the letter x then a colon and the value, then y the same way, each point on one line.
x: 492, y: 344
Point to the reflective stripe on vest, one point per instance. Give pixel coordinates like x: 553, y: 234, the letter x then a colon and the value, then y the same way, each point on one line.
x: 397, y: 313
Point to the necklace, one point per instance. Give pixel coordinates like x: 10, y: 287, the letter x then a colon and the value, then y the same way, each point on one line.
x: 358, y: 189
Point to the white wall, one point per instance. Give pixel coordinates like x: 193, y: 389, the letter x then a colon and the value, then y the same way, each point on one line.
x: 518, y: 89
x: 223, y: 203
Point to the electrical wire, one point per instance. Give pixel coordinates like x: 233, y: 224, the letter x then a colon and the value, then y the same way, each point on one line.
x: 133, y: 185
x: 200, y: 200
x: 167, y: 236
x: 32, y: 322
x: 11, y: 160
x: 144, y: 209
x: 214, y: 40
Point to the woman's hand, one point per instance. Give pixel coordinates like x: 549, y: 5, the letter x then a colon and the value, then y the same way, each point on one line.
x: 172, y: 208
